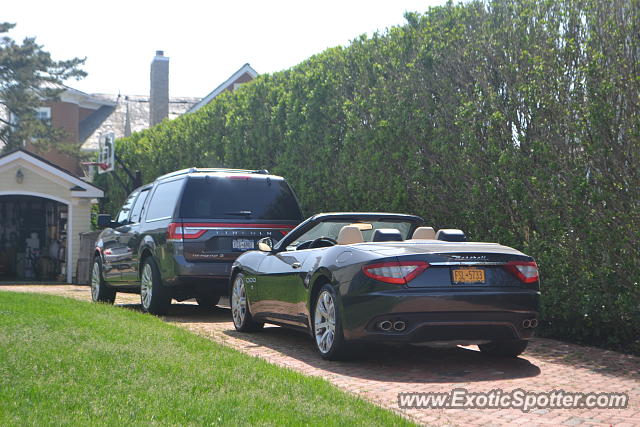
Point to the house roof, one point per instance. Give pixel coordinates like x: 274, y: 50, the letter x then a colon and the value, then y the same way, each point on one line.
x: 127, y: 114
x: 79, y: 187
x: 75, y: 96
x: 245, y: 69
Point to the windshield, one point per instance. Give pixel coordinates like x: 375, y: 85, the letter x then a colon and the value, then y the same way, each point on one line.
x: 239, y: 197
x: 331, y: 230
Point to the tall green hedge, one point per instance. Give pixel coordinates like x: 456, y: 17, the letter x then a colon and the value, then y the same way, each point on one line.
x: 515, y: 120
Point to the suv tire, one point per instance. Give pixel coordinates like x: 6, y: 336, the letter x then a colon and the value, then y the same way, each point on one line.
x: 100, y: 291
x: 154, y: 295
x: 208, y: 301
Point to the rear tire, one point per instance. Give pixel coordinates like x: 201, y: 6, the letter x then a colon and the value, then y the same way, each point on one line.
x: 327, y: 326
x: 242, y: 318
x: 154, y: 295
x: 208, y: 301
x: 507, y: 349
x: 100, y: 291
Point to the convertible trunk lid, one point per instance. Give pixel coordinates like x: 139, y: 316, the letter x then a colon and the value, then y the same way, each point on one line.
x: 436, y: 247
x: 456, y: 265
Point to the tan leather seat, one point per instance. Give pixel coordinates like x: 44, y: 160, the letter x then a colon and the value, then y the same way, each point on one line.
x: 424, y: 233
x: 350, y: 234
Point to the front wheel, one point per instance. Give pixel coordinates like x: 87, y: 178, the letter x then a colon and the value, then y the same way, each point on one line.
x: 509, y: 349
x: 327, y: 325
x: 154, y: 296
x: 242, y: 319
x: 100, y: 291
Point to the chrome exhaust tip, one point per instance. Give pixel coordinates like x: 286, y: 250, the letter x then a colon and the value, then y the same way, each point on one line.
x: 399, y: 325
x: 526, y: 323
x: 534, y: 323
x: 385, y: 325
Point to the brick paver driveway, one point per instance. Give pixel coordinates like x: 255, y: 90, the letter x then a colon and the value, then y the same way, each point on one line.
x: 384, y: 372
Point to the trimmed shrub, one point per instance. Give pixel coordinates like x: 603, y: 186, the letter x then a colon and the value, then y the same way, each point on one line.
x: 516, y: 120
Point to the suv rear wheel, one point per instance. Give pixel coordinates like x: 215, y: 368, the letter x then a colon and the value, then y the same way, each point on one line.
x: 154, y: 296
x: 207, y: 300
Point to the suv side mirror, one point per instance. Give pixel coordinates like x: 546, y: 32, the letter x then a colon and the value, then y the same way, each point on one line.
x: 265, y: 244
x: 104, y: 220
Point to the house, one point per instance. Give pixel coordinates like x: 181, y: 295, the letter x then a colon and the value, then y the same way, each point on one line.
x: 45, y: 196
x: 85, y: 117
x: 243, y: 75
x: 43, y: 210
x: 73, y: 112
x: 133, y: 113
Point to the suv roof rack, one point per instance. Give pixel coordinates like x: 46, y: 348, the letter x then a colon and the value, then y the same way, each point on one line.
x: 209, y: 170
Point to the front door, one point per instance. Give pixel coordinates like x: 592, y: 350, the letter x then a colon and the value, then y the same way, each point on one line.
x: 281, y: 287
x: 131, y: 239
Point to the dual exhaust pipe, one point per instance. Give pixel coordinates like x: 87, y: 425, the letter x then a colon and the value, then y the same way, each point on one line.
x: 387, y: 325
x: 530, y: 323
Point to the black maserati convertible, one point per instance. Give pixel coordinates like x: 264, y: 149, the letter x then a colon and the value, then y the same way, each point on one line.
x: 349, y: 278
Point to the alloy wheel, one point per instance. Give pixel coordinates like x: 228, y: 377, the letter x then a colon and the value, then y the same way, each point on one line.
x: 238, y: 302
x: 325, y: 321
x: 95, y: 281
x: 146, y: 286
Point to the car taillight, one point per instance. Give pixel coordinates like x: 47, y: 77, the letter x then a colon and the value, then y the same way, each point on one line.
x: 192, y: 230
x: 527, y: 272
x: 179, y: 231
x: 397, y: 273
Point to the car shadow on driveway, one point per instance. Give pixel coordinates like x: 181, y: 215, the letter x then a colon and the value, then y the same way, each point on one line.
x: 417, y: 364
x: 406, y: 364
x: 189, y: 313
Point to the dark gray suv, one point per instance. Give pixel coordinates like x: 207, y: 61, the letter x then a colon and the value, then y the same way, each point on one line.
x: 178, y: 236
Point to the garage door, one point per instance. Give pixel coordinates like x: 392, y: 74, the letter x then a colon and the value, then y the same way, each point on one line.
x: 33, y: 239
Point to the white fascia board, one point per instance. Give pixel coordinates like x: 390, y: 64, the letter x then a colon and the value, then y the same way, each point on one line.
x: 246, y: 68
x: 91, y: 191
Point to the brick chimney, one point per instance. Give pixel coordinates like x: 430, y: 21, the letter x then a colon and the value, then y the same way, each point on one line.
x: 159, y: 96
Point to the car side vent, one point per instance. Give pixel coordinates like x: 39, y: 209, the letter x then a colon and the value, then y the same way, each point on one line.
x: 451, y: 235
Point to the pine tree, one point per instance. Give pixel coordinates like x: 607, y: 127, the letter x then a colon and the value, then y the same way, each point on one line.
x: 29, y: 78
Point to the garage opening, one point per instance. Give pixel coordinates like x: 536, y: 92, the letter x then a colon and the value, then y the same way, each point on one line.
x: 33, y: 239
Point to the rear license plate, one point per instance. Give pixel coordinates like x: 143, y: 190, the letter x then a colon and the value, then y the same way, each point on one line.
x: 243, y: 244
x: 468, y: 275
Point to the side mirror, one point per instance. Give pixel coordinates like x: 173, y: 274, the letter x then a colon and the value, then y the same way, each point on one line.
x: 104, y: 220
x: 265, y: 244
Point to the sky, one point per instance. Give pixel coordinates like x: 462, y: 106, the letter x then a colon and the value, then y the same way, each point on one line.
x: 206, y: 41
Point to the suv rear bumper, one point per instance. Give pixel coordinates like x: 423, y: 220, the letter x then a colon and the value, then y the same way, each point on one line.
x: 198, y: 273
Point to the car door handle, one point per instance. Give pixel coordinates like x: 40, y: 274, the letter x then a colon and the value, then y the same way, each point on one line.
x: 296, y: 265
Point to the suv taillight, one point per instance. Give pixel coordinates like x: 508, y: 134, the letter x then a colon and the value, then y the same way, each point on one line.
x: 397, y: 273
x: 178, y: 231
x: 527, y: 272
x: 191, y: 230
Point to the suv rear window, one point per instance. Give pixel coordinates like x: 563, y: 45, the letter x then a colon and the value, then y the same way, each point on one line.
x: 239, y: 197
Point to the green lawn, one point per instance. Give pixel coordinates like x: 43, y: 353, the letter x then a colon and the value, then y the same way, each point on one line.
x: 69, y: 362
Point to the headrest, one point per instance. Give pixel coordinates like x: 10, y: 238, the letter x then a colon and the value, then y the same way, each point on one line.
x: 426, y: 233
x: 349, y: 234
x: 451, y: 235
x: 386, y: 235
